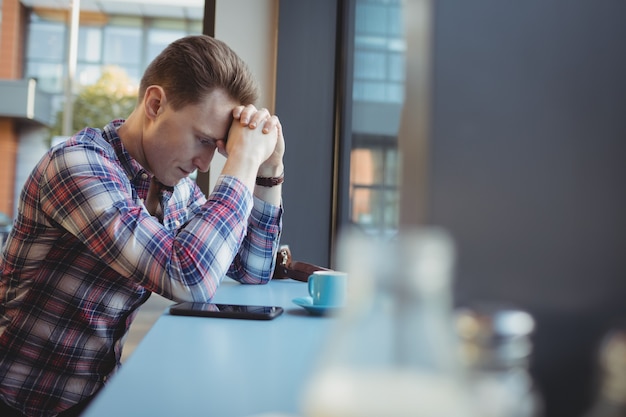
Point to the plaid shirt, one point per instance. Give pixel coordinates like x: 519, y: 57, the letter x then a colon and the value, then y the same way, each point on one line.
x: 85, y: 253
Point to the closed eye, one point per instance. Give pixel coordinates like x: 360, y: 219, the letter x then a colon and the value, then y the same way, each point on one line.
x: 207, y: 141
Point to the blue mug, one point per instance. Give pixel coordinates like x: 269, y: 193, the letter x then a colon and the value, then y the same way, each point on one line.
x: 328, y: 288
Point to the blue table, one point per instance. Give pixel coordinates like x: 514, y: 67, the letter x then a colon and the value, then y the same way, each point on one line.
x: 196, y: 366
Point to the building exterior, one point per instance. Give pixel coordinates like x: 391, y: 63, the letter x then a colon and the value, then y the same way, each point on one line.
x: 34, y: 50
x: 11, y: 69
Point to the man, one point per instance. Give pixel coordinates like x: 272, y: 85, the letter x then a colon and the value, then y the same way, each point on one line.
x: 111, y: 215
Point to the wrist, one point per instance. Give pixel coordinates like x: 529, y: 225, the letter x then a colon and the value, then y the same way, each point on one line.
x: 270, y: 171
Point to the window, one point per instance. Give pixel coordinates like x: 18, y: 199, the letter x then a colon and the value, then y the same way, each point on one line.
x: 89, y: 44
x: 122, y: 48
x: 45, y: 53
x: 377, y: 97
x: 46, y: 40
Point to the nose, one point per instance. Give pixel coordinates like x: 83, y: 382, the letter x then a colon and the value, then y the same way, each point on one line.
x: 203, y: 160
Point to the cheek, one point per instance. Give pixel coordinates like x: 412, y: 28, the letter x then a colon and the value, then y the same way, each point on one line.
x: 160, y: 154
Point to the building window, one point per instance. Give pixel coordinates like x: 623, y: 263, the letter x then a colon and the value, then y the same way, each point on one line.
x: 123, y: 48
x: 45, y: 52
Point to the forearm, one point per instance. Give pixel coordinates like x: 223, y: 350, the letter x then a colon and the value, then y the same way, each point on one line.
x: 255, y: 262
x: 242, y: 167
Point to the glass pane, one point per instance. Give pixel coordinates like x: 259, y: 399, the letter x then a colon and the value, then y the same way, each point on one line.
x: 392, y: 167
x: 375, y: 209
x: 89, y: 44
x: 397, y: 68
x: 371, y: 18
x: 377, y: 97
x: 390, y: 213
x: 364, y: 165
x: 122, y: 45
x: 49, y: 75
x: 361, y: 202
x: 46, y: 40
x: 370, y: 65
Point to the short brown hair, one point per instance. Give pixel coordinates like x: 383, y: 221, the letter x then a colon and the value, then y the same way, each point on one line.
x: 193, y: 66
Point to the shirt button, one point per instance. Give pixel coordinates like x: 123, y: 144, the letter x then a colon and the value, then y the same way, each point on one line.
x: 144, y: 176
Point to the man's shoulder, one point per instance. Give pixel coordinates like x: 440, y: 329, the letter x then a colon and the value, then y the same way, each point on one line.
x: 88, y: 150
x: 89, y: 136
x: 88, y: 139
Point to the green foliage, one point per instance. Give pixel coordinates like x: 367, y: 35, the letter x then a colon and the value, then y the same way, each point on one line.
x: 113, y: 96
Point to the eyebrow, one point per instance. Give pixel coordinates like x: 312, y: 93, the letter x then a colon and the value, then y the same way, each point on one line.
x: 210, y: 136
x: 205, y: 135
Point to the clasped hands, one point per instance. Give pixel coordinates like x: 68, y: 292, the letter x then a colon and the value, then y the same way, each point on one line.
x: 256, y: 136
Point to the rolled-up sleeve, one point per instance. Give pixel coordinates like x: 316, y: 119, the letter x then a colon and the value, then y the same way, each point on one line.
x: 257, y: 258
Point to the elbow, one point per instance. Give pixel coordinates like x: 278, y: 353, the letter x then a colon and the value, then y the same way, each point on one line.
x: 199, y: 293
x: 256, y: 279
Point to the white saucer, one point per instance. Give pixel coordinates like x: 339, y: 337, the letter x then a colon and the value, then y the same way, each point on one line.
x: 318, y: 310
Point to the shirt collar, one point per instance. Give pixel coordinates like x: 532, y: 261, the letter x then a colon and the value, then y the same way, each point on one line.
x: 134, y: 171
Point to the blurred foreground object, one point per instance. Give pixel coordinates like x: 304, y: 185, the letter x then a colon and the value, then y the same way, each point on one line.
x: 611, y: 396
x: 394, y: 351
x: 496, y: 348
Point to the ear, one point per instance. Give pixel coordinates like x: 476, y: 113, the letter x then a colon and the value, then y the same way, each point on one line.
x: 154, y: 101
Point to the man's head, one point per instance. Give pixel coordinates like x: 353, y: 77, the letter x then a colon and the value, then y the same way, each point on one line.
x: 186, y: 99
x: 192, y: 67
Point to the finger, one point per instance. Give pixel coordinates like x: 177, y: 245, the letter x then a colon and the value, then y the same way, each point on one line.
x: 270, y: 124
x: 247, y: 113
x: 259, y: 118
x: 237, y: 112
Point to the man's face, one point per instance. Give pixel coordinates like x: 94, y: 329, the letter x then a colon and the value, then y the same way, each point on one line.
x: 179, y: 142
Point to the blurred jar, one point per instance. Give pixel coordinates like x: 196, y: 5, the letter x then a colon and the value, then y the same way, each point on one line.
x: 611, y: 396
x: 496, y: 349
x: 394, y: 350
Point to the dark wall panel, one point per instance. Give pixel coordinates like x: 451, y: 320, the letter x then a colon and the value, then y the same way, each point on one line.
x: 528, y: 170
x: 304, y: 103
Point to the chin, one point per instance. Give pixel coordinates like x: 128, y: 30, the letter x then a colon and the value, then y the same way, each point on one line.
x: 171, y: 183
x: 168, y: 182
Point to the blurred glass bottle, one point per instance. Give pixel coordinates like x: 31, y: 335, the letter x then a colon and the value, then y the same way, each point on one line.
x: 496, y: 349
x: 394, y: 350
x: 611, y: 396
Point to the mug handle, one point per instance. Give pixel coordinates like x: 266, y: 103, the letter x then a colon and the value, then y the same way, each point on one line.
x: 310, y: 285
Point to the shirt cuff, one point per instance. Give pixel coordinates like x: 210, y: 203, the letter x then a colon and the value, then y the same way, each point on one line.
x: 266, y: 216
